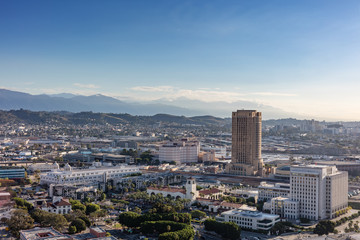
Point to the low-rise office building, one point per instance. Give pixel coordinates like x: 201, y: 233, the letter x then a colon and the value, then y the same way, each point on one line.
x: 12, y: 173
x: 283, y: 207
x: 77, y: 192
x: 268, y: 191
x: 91, y: 175
x: 43, y: 234
x: 180, y: 152
x: 109, y: 157
x: 250, y: 219
x: 43, y: 167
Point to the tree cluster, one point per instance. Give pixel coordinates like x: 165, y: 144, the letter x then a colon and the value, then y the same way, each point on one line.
x: 132, y: 219
x: 21, y: 203
x: 226, y: 229
x: 76, y: 204
x: 168, y: 230
x: 198, y: 214
x: 20, y: 220
x: 77, y: 226
x: 46, y: 219
x: 281, y: 227
x: 345, y: 219
x: 343, y: 211
x: 324, y: 227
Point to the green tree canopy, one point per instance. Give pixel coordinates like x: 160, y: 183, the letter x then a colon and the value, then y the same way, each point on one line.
x: 75, y: 204
x: 130, y: 219
x: 46, y: 219
x: 198, y: 214
x: 20, y: 220
x: 324, y: 227
x: 79, y: 224
x: 226, y: 229
x: 91, y: 207
x: 72, y: 229
x: 21, y: 203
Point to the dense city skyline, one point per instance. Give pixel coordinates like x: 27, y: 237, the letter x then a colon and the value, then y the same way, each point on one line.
x: 299, y: 56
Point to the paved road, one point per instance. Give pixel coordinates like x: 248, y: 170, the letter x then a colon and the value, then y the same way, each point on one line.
x: 245, y: 235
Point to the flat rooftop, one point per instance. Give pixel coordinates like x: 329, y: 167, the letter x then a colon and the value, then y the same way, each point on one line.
x: 252, y: 214
x: 337, y: 162
x: 43, y: 234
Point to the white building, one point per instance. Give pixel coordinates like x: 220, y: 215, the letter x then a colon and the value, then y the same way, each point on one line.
x: 269, y: 191
x: 316, y: 192
x: 43, y: 167
x: 58, y: 205
x: 189, y: 192
x: 43, y: 234
x: 167, y: 191
x: 250, y: 219
x: 284, y: 207
x: 180, y: 152
x: 92, y: 175
x: 216, y: 206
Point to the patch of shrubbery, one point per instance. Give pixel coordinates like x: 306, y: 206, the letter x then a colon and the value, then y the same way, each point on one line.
x: 168, y: 230
x: 226, y: 229
x: 132, y: 219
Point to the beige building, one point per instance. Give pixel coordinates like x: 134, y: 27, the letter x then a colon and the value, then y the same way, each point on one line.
x: 246, y: 143
x: 268, y: 191
x: 180, y: 152
x: 316, y: 192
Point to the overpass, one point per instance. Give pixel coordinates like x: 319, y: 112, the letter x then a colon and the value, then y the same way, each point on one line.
x: 22, y: 163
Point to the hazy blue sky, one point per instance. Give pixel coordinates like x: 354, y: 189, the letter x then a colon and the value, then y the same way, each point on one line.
x: 301, y: 56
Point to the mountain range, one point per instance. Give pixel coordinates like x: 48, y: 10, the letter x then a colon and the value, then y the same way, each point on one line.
x: 83, y: 118
x: 13, y: 100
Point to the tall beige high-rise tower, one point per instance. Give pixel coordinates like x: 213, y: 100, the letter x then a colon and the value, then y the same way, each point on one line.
x: 246, y: 143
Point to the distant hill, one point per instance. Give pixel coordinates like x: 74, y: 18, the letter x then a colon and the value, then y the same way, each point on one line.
x: 31, y: 117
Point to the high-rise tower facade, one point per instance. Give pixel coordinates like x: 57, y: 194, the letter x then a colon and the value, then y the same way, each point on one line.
x: 246, y: 143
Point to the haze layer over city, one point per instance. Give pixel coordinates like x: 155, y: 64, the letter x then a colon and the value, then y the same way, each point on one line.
x: 178, y: 120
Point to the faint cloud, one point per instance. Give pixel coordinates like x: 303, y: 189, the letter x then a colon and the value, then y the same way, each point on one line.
x: 90, y: 86
x: 9, y: 88
x: 84, y: 92
x: 28, y: 83
x: 153, y: 89
x: 149, y: 93
x: 170, y: 93
x: 274, y: 94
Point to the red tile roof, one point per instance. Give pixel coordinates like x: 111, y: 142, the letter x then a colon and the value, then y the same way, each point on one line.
x: 213, y: 202
x: 231, y: 205
x: 63, y: 202
x: 168, y: 189
x: 210, y: 191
